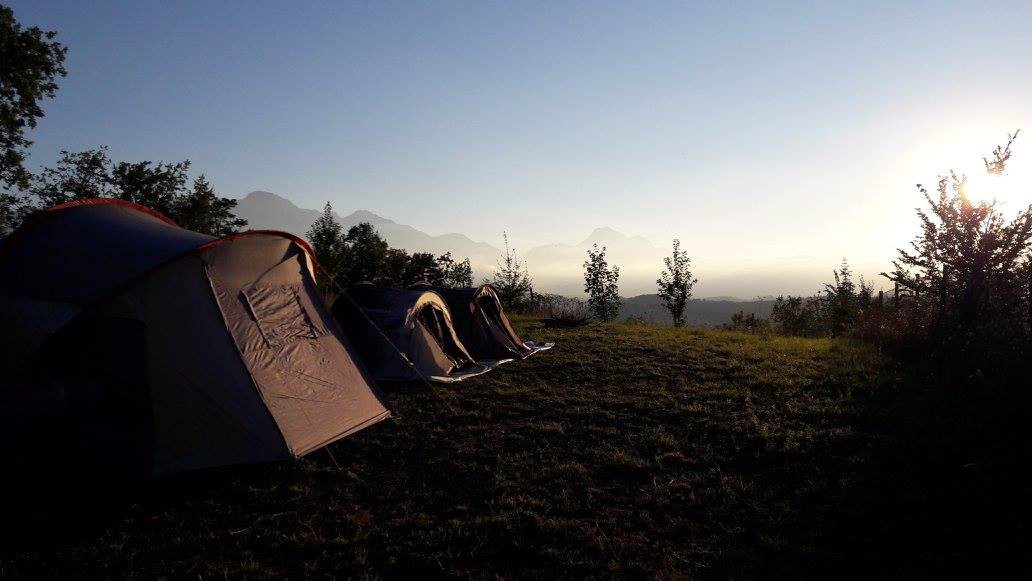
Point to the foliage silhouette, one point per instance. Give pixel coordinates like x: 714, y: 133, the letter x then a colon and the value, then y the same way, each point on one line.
x: 601, y: 285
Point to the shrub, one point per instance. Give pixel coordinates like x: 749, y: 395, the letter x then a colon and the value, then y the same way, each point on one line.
x: 560, y: 311
x: 512, y: 280
x: 747, y: 323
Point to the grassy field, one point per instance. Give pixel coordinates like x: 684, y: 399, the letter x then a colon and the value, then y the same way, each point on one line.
x: 626, y: 450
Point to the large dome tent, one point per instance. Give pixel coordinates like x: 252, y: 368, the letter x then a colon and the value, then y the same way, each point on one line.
x: 181, y: 350
x: 404, y: 335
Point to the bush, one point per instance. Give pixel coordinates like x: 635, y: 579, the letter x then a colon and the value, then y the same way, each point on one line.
x: 560, y: 311
x: 747, y: 323
x: 512, y: 281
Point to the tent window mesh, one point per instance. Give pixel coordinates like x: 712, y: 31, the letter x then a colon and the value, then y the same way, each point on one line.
x: 280, y: 315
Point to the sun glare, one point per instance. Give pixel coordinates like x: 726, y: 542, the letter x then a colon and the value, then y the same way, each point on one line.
x: 963, y: 153
x: 1013, y: 189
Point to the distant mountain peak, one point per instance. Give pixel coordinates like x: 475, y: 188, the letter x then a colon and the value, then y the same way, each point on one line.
x: 264, y: 195
x: 604, y: 235
x: 605, y: 231
x: 367, y: 216
x: 266, y: 210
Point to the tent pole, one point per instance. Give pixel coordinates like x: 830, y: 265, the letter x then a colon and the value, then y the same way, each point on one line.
x: 333, y: 458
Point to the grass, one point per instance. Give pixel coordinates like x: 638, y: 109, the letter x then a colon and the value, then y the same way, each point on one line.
x: 626, y: 451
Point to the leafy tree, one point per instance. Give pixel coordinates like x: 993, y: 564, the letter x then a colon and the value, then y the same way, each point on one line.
x: 393, y: 270
x: 10, y: 212
x: 162, y: 186
x: 454, y: 274
x: 75, y: 176
x: 836, y: 311
x: 968, y: 272
x: 202, y: 210
x: 327, y: 240
x: 676, y: 282
x: 30, y: 63
x: 156, y: 186
x: 365, y: 254
x: 801, y: 316
x: 512, y: 280
x: 422, y: 266
x: 600, y: 282
x: 844, y: 301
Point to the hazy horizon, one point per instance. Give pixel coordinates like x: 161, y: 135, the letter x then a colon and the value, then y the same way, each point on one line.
x: 555, y: 266
x: 772, y: 140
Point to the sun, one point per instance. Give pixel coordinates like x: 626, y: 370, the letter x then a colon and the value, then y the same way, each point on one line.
x: 1012, y: 190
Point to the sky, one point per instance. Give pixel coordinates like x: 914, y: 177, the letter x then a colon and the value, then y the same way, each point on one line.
x: 762, y: 135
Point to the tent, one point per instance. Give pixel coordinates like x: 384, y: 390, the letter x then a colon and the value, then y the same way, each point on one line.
x: 481, y: 324
x: 393, y: 328
x: 171, y: 350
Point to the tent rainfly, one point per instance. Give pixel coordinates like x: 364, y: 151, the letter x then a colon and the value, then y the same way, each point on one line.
x: 173, y: 349
x: 481, y: 324
x: 404, y: 334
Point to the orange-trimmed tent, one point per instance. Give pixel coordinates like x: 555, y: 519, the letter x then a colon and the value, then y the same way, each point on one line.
x: 174, y: 349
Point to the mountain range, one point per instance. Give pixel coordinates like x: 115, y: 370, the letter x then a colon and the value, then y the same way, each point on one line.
x: 555, y: 267
x: 266, y: 210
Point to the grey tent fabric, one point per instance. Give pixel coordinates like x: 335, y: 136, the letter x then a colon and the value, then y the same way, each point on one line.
x: 224, y: 344
x: 481, y: 324
x: 392, y: 328
x: 64, y: 259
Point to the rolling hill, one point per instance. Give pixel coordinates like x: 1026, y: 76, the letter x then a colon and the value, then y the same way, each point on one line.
x: 626, y: 451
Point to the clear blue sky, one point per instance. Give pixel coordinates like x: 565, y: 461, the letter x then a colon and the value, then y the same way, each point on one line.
x: 755, y: 132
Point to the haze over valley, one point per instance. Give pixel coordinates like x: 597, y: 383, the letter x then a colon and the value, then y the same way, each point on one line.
x: 555, y: 266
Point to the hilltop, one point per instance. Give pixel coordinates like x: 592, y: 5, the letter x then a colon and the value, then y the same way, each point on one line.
x: 626, y: 450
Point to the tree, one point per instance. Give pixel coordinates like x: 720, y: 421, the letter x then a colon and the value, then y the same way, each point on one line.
x: 327, y: 240
x: 75, y: 176
x: 600, y: 282
x: 454, y: 274
x: 365, y: 255
x: 967, y: 272
x: 161, y: 186
x: 202, y: 210
x: 86, y: 174
x: 30, y: 63
x: 394, y: 269
x: 422, y: 267
x: 676, y: 282
x: 10, y: 212
x: 844, y: 301
x: 803, y: 317
x: 153, y: 185
x: 512, y: 280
